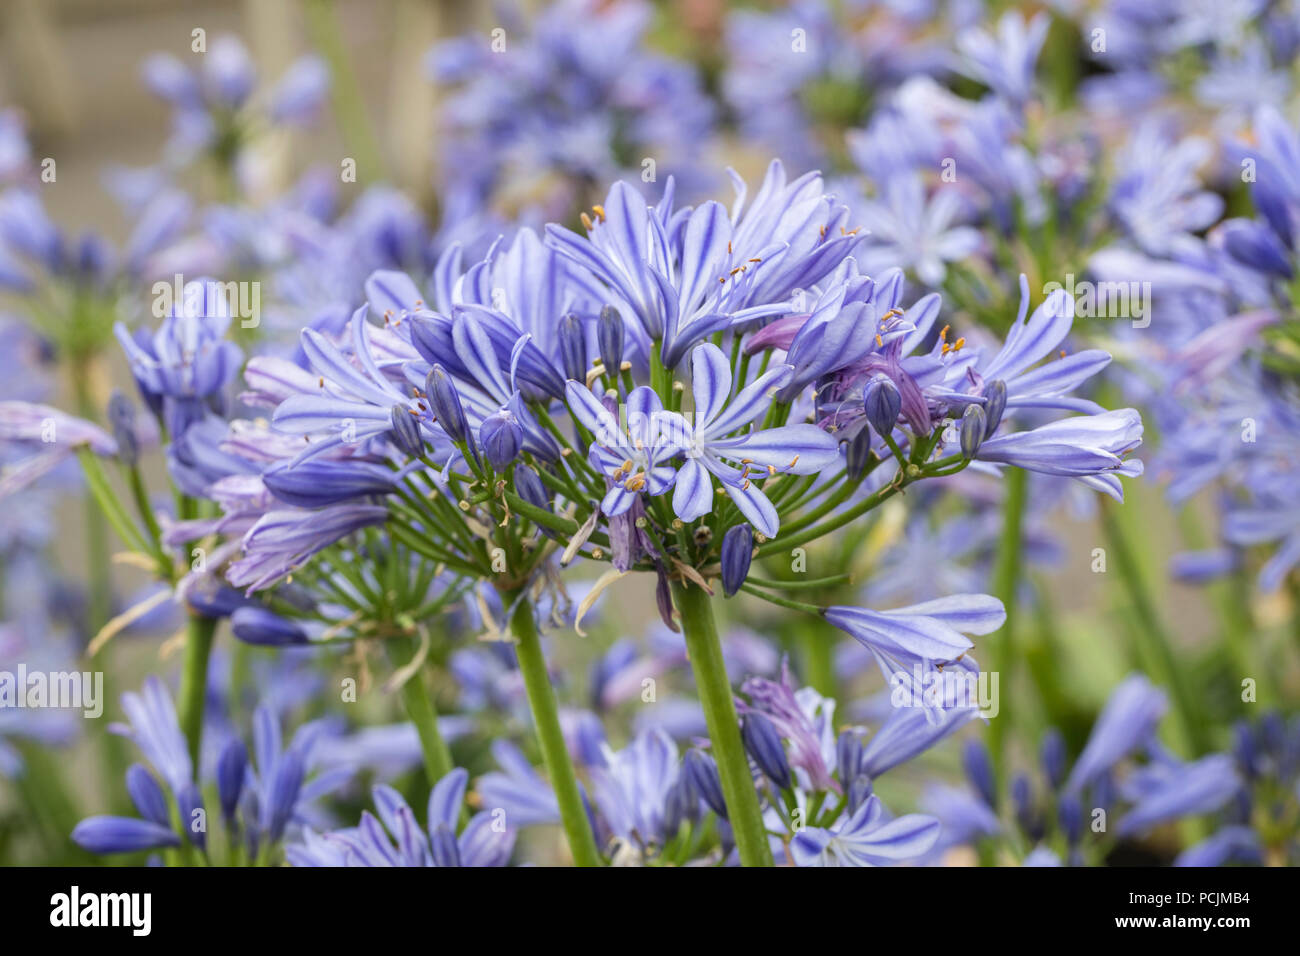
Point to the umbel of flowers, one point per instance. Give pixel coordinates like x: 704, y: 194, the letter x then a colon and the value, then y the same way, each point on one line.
x: 676, y: 393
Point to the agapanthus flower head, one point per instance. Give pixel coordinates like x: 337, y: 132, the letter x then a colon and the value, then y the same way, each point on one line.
x: 395, y: 838
x: 213, y: 103
x: 258, y: 800
x: 185, y: 365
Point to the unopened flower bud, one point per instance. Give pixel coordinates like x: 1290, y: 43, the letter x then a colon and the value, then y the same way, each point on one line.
x: 257, y: 625
x: 232, y: 765
x: 764, y: 745
x: 1053, y: 757
x: 609, y: 337
x: 995, y: 395
x: 406, y: 432
x: 1069, y: 814
x: 972, y: 430
x: 501, y: 438
x: 859, y: 791
x: 446, y: 851
x: 858, y: 454
x: 882, y: 404
x: 979, y: 771
x: 703, y: 773
x: 737, y: 553
x: 848, y: 754
x: 573, y: 347
x: 121, y: 416
x: 444, y: 401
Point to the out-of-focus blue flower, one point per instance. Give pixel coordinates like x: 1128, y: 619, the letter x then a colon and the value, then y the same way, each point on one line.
x: 868, y: 838
x: 1126, y: 723
x: 486, y: 840
x: 1164, y: 792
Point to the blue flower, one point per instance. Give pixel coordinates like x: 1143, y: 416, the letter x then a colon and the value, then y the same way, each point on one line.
x: 1127, y: 722
x: 715, y: 438
x: 867, y: 838
x: 922, y: 635
x: 1165, y: 791
x: 399, y: 841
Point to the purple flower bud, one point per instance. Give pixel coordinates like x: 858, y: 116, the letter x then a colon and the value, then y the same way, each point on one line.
x: 1069, y: 814
x: 147, y: 795
x: 859, y: 790
x: 285, y: 788
x: 444, y: 400
x: 92, y: 259
x: 1053, y: 757
x: 1022, y: 798
x: 703, y: 774
x: 442, y: 841
x: 995, y: 395
x: 501, y: 438
x: 121, y: 417
x: 122, y: 835
x: 194, y: 822
x: 848, y: 755
x: 220, y: 601
x: 232, y: 766
x: 882, y: 403
x: 979, y: 771
x: 973, y: 425
x: 319, y: 482
x: 677, y: 807
x: 1245, y: 750
x: 169, y: 79
x: 1257, y: 247
x: 609, y: 338
x: 764, y: 745
x: 228, y: 72
x: 299, y: 93
x: 858, y: 454
x: 406, y: 432
x: 737, y: 553
x: 257, y: 625
x: 573, y: 347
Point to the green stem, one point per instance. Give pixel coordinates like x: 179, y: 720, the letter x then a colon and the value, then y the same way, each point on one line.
x: 546, y: 719
x: 705, y: 652
x: 194, y: 682
x: 349, y: 105
x: 1150, y: 630
x: 419, y: 707
x: 818, y: 641
x: 1006, y: 580
x: 98, y: 567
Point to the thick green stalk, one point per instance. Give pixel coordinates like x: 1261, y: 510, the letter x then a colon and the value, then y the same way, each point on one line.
x: 1149, y: 629
x: 194, y: 682
x: 420, y: 709
x: 1006, y: 580
x: 705, y: 652
x: 546, y: 720
x: 98, y: 566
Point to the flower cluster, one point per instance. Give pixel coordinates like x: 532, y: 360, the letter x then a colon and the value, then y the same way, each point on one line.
x: 579, y: 495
